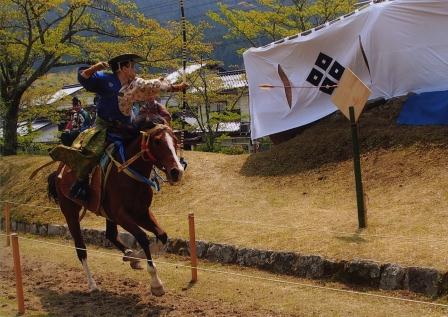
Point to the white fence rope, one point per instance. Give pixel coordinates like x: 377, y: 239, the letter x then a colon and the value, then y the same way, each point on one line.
x: 359, y: 234
x: 304, y: 285
x: 28, y: 205
x: 303, y: 228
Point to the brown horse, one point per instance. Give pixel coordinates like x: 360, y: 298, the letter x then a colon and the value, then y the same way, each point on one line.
x: 125, y: 200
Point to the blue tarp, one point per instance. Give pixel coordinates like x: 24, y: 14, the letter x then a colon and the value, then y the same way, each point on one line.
x: 425, y: 109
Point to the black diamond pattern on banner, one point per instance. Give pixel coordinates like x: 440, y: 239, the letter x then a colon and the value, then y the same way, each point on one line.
x: 327, y: 90
x: 323, y: 61
x: 336, y: 70
x: 315, y: 77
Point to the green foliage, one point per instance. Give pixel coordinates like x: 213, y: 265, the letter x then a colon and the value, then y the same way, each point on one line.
x: 210, y: 104
x: 233, y: 150
x: 38, y: 35
x: 27, y: 146
x: 272, y: 20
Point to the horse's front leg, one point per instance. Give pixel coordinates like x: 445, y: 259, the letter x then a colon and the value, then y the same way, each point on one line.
x: 129, y: 254
x: 150, y: 223
x: 131, y: 226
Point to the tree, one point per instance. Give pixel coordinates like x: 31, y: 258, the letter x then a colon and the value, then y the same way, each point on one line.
x: 272, y: 20
x: 38, y: 35
x: 210, y: 104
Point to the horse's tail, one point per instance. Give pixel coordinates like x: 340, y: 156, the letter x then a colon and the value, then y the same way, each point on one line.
x: 51, y: 188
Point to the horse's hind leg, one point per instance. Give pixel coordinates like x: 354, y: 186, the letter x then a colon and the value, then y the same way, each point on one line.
x: 129, y: 224
x: 71, y: 214
x: 112, y: 236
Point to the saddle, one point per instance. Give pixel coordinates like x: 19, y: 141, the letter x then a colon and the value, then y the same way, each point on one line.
x: 66, y: 178
x: 98, y: 180
x: 97, y: 183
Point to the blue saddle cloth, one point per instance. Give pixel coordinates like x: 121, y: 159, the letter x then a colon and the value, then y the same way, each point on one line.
x: 117, y: 144
x: 429, y: 108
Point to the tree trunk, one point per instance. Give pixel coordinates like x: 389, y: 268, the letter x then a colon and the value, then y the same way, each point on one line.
x: 10, y: 127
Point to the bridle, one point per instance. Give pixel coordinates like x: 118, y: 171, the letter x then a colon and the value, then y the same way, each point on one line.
x: 144, y: 144
x: 145, y: 151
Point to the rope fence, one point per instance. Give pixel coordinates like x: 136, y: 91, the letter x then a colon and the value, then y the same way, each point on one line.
x: 272, y: 227
x: 248, y: 276
x: 193, y: 245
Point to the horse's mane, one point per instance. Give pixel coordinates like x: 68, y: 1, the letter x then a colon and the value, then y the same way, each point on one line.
x: 146, y: 122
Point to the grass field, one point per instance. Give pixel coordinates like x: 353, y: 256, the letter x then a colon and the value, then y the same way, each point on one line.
x: 300, y: 196
x: 55, y: 285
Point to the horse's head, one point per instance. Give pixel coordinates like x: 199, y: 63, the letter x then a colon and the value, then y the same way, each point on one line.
x: 158, y: 145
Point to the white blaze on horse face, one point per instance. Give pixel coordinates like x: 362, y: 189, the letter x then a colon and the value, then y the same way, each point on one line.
x: 170, y: 142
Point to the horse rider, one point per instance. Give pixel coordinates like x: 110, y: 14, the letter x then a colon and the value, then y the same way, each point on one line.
x: 116, y: 92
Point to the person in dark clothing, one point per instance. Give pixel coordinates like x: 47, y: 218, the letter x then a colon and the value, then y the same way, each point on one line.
x: 78, y: 121
x: 116, y: 92
x: 79, y: 118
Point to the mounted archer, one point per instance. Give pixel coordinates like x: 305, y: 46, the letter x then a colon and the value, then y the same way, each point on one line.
x: 116, y: 93
x: 118, y: 191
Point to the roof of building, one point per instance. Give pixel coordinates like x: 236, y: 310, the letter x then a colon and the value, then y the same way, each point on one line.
x: 177, y: 75
x: 22, y: 127
x: 233, y: 79
x: 65, y: 91
x: 223, y: 126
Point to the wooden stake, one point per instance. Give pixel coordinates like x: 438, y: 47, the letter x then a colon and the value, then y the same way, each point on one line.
x: 18, y: 273
x: 362, y: 223
x: 6, y: 211
x: 184, y: 74
x: 193, y: 254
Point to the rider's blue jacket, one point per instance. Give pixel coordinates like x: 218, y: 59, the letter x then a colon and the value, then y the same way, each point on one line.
x: 107, y: 87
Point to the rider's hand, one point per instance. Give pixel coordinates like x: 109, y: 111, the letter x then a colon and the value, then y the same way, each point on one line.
x: 86, y: 73
x: 180, y: 87
x: 101, y: 66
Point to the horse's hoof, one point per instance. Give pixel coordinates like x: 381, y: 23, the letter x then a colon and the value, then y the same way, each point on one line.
x: 93, y: 288
x: 136, y: 265
x: 132, y: 255
x: 157, y: 291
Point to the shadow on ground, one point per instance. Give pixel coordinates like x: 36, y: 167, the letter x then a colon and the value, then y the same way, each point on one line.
x: 101, y: 303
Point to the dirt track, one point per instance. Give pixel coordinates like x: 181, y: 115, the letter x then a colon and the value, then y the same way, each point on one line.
x: 58, y: 291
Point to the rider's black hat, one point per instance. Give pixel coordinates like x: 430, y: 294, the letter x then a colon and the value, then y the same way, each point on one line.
x: 75, y: 100
x: 123, y: 58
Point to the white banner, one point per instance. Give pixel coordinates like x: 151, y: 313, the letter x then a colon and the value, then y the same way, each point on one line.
x: 394, y: 47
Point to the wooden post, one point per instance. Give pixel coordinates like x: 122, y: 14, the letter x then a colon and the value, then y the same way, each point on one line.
x: 184, y: 76
x: 18, y: 273
x: 193, y: 254
x: 357, y: 167
x: 7, y: 214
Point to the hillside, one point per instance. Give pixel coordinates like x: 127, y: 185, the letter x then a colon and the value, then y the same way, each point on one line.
x: 195, y: 11
x: 300, y: 196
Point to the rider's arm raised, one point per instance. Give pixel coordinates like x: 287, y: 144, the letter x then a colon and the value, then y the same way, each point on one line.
x: 144, y: 90
x: 88, y: 76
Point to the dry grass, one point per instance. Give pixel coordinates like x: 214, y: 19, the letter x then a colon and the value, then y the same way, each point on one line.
x: 300, y: 196
x: 213, y: 291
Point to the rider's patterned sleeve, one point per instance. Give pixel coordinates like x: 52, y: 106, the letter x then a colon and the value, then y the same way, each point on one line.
x: 140, y: 90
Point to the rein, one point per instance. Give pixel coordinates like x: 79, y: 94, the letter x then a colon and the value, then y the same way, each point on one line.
x: 144, y: 150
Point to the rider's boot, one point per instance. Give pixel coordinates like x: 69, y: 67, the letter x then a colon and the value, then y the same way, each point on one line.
x: 80, y: 190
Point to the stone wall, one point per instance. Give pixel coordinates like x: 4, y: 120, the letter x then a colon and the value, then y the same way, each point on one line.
x: 387, y: 276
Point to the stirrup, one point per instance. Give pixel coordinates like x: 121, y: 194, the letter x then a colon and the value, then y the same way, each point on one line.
x: 80, y: 190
